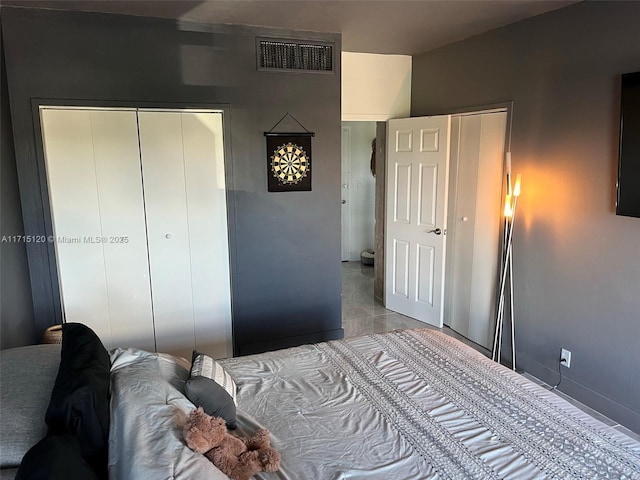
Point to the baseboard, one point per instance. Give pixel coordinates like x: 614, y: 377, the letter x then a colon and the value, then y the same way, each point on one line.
x: 600, y: 403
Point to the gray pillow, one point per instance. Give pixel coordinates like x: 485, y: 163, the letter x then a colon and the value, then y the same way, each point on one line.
x: 28, y: 375
x: 212, y: 388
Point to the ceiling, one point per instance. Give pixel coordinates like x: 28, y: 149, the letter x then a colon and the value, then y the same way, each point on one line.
x: 406, y: 27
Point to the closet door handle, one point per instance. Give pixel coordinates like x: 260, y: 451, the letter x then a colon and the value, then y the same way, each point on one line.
x: 168, y: 236
x: 437, y: 231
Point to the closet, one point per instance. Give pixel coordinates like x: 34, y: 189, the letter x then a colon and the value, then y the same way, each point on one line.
x: 138, y: 203
x: 474, y: 221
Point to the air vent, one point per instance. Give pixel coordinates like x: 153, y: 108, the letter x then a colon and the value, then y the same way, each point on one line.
x: 295, y: 55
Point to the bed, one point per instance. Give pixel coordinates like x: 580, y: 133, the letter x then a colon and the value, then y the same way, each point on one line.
x: 409, y: 404
x: 418, y: 404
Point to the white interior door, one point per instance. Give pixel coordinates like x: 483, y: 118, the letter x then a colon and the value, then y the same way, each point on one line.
x: 95, y: 191
x: 416, y: 207
x: 346, y: 204
x: 184, y: 191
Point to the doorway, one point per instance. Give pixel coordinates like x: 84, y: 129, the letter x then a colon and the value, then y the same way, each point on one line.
x: 358, y: 197
x: 442, y: 230
x: 358, y: 190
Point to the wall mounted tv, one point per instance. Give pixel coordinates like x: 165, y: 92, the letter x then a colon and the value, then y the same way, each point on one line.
x: 629, y: 159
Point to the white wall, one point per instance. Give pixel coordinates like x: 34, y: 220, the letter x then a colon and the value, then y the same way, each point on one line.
x: 375, y: 87
x: 362, y: 186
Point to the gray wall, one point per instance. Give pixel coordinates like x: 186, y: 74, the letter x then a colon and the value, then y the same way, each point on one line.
x: 576, y: 264
x: 285, y: 247
x: 16, y: 311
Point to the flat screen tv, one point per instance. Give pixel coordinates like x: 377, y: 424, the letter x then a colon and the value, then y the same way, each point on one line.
x: 629, y: 159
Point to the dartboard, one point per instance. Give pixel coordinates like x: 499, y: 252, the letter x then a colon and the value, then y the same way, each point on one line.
x: 289, y: 163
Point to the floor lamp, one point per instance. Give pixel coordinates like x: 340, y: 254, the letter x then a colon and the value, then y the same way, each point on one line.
x: 511, y: 201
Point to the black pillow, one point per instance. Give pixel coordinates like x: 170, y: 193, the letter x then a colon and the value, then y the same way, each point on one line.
x: 55, y: 457
x: 80, y: 398
x: 212, y: 388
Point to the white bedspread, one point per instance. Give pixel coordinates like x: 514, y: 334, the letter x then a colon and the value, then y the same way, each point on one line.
x: 418, y: 404
x: 147, y: 414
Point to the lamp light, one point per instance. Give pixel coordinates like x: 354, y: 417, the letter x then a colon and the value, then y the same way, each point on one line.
x: 508, y: 211
x: 516, y: 189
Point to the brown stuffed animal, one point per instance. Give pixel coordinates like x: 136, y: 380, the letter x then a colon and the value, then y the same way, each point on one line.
x: 238, y: 458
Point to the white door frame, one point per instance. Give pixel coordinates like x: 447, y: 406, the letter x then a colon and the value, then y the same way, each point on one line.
x: 499, y: 107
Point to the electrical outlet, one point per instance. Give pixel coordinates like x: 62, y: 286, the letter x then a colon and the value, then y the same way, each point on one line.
x: 565, y: 358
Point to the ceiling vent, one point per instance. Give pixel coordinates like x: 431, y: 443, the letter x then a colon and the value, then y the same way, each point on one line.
x: 298, y: 55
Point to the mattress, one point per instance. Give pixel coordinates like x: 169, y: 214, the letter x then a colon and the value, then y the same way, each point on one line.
x: 418, y: 404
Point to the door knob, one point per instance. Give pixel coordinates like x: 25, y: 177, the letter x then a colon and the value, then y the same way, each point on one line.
x: 344, y: 201
x: 437, y: 231
x: 168, y: 236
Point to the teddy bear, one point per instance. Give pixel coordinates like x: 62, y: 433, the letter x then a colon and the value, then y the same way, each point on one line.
x: 238, y: 458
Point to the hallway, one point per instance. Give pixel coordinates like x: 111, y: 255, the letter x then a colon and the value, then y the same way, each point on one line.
x: 362, y: 314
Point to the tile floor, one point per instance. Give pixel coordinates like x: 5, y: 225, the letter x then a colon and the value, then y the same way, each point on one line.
x: 361, y: 314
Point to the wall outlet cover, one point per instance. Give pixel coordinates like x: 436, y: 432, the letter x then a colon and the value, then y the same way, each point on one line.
x: 565, y: 358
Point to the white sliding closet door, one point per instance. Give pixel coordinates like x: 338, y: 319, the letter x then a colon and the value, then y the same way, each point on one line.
x: 95, y: 192
x: 184, y: 191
